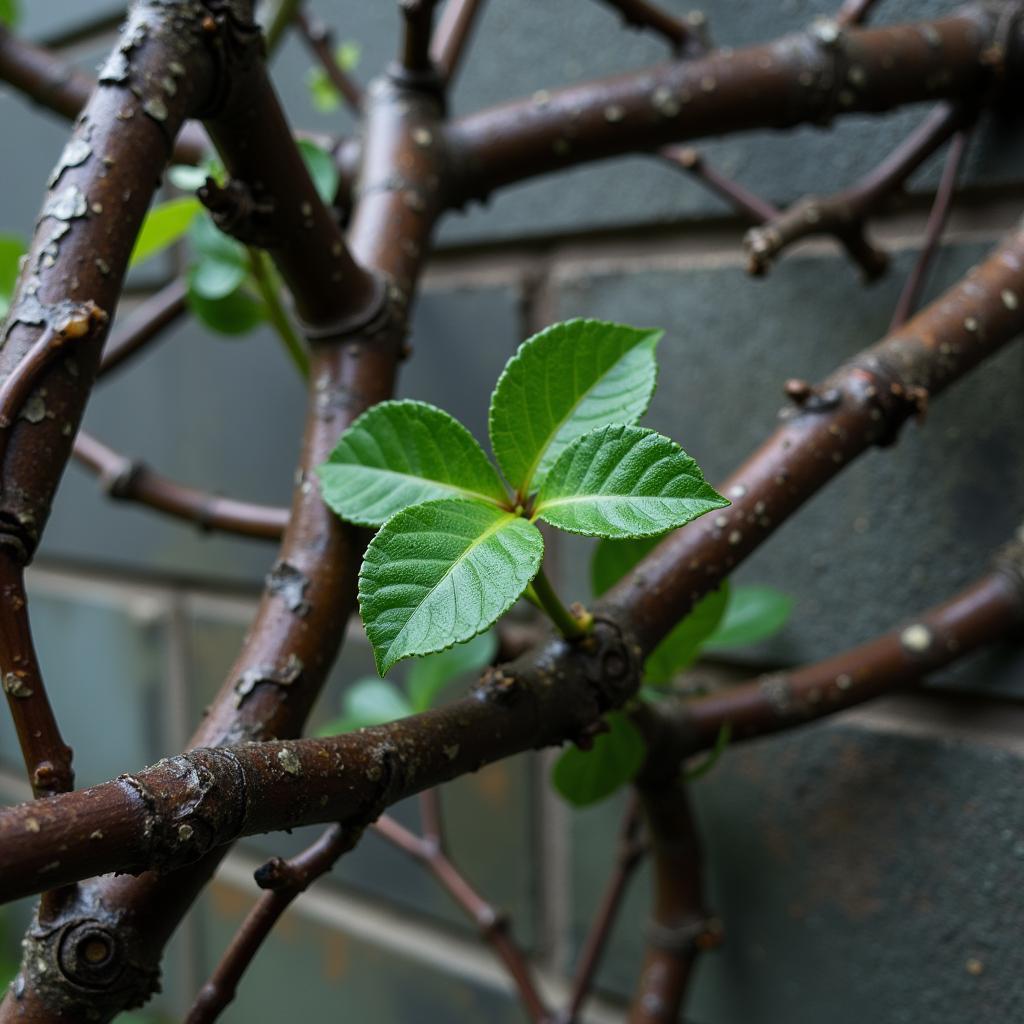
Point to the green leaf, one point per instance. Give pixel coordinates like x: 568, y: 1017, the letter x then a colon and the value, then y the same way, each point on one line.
x: 680, y: 648
x: 441, y: 572
x: 347, y: 55
x: 215, y: 279
x: 754, y: 613
x: 322, y: 169
x: 563, y: 382
x: 402, y: 453
x: 585, y: 776
x: 210, y: 243
x: 12, y: 248
x: 10, y: 12
x: 612, y: 560
x: 429, y: 676
x: 322, y: 94
x: 621, y: 481
x: 164, y: 225
x: 367, y: 702
x: 236, y: 313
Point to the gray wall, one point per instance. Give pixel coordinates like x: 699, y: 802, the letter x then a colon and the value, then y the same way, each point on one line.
x: 865, y: 869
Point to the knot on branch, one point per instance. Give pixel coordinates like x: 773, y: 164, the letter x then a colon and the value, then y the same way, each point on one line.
x: 193, y: 802
x: 86, y: 963
x: 240, y: 212
x: 888, y: 385
x: 236, y: 42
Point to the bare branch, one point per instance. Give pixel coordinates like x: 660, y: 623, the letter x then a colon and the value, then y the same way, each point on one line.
x: 320, y: 40
x: 130, y: 480
x: 854, y: 12
x: 493, y: 925
x: 47, y: 757
x: 630, y: 854
x: 679, y: 34
x: 844, y: 214
x: 741, y: 199
x: 911, y: 293
x: 56, y: 85
x: 451, y: 37
x: 797, y: 80
x: 987, y: 611
x: 418, y: 24
x: 153, y: 316
x: 285, y: 880
x: 680, y: 927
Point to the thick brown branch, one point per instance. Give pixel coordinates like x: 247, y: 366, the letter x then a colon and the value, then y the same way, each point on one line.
x: 987, y: 611
x: 129, y: 480
x: 680, y: 927
x: 285, y: 880
x: 844, y: 214
x: 807, y: 78
x: 451, y: 37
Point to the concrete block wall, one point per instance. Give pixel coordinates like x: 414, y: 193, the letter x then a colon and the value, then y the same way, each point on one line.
x: 865, y: 869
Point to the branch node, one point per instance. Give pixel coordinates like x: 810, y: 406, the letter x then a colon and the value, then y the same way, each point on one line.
x: 240, y: 212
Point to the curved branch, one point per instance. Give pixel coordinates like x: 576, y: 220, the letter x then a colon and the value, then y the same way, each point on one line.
x: 451, y: 36
x: 47, y: 80
x: 129, y: 480
x: 989, y: 610
x: 801, y: 79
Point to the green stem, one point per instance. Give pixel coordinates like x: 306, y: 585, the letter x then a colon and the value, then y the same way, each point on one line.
x: 570, y: 626
x: 263, y: 274
x: 279, y: 21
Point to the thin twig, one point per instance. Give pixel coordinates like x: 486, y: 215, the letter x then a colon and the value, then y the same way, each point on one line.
x: 320, y: 40
x: 493, y: 925
x: 854, y: 12
x: 644, y: 15
x: 128, y: 480
x: 843, y: 215
x: 47, y: 757
x: 937, y: 217
x: 282, y: 19
x: 741, y: 199
x: 285, y: 880
x: 630, y: 854
x: 158, y: 312
x: 452, y: 34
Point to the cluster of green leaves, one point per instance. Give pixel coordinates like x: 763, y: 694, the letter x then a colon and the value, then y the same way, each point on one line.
x: 322, y: 93
x: 371, y: 701
x: 728, y: 617
x: 455, y: 549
